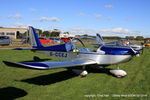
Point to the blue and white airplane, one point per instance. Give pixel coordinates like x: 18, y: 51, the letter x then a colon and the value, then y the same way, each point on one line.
x: 125, y: 42
x: 78, y: 52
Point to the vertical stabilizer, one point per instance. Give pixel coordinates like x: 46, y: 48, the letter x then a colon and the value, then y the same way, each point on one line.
x: 35, y: 42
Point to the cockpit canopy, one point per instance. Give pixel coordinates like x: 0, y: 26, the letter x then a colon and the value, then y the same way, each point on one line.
x: 124, y: 42
x: 84, y: 44
x: 121, y: 42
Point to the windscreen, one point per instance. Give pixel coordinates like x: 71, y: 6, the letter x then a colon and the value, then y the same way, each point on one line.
x: 87, y: 43
x: 124, y: 42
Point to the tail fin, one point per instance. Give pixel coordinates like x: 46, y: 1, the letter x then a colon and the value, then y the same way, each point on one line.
x: 99, y: 39
x: 35, y: 42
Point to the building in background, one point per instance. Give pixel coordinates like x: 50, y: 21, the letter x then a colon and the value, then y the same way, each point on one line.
x: 66, y: 35
x: 11, y: 32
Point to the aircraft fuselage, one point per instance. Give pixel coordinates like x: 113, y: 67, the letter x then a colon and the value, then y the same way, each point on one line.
x: 100, y: 59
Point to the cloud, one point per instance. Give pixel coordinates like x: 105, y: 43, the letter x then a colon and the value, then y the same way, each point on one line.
x: 120, y: 32
x: 17, y: 16
x: 20, y: 25
x: 51, y: 19
x: 106, y: 32
x: 116, y: 30
x: 54, y: 27
x: 32, y: 9
x: 146, y: 34
x: 84, y: 15
x: 98, y: 16
x: 9, y: 16
x: 128, y: 19
x: 80, y: 31
x: 108, y: 6
x: 81, y: 14
x: 109, y: 18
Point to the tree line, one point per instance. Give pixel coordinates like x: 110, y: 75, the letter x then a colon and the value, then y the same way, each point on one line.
x: 55, y: 33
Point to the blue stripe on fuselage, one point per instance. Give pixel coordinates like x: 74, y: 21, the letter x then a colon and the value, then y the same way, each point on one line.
x: 109, y: 50
x: 59, y: 48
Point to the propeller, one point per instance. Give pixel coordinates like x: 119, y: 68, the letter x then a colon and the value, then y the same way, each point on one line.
x: 143, y: 46
x: 132, y: 50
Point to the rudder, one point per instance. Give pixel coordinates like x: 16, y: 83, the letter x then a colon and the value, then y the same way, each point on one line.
x: 35, y: 42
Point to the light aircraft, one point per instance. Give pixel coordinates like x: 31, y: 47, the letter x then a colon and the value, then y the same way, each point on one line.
x: 125, y: 42
x: 77, y: 52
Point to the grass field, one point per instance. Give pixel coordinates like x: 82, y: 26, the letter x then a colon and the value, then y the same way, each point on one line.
x: 60, y: 84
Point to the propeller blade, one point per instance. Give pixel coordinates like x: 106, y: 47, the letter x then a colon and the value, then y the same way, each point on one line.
x: 132, y: 49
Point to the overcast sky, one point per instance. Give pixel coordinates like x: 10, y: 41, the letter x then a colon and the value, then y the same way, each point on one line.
x: 107, y: 17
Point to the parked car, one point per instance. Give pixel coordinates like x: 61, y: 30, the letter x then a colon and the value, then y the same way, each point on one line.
x: 65, y: 40
x: 5, y: 40
x: 25, y: 40
x: 45, y: 40
x: 56, y: 40
x: 147, y: 42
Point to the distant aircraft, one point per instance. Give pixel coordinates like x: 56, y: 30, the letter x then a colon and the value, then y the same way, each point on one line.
x: 125, y: 42
x: 78, y: 52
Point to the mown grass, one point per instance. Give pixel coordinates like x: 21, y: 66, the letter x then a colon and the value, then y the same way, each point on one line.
x: 60, y: 84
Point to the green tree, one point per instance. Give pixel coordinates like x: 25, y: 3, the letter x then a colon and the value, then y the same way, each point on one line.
x: 46, y: 33
x: 85, y: 35
x: 54, y: 33
x: 139, y: 38
x: 112, y: 37
x: 66, y: 33
x: 129, y: 37
x: 24, y: 34
x: 38, y: 31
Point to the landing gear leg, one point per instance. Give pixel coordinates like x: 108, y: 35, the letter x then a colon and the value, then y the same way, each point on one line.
x: 117, y: 66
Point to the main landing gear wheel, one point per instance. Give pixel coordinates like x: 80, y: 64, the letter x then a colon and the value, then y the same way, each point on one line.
x: 81, y: 73
x: 118, y: 72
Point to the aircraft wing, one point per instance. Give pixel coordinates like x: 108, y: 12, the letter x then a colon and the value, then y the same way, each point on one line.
x: 50, y: 64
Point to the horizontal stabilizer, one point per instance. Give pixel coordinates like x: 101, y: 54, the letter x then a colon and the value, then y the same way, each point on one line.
x: 24, y: 49
x: 50, y: 64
